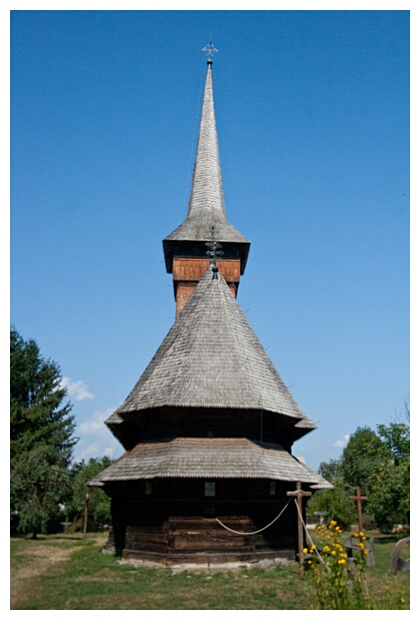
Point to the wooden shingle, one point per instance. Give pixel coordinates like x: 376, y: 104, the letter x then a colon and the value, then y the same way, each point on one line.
x: 187, y: 457
x: 206, y: 209
x: 211, y: 358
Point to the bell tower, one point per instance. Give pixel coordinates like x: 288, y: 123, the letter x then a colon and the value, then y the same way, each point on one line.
x: 185, y: 249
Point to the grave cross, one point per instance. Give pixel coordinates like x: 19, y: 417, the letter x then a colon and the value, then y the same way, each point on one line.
x: 66, y: 524
x: 85, y: 516
x: 359, y: 499
x: 298, y: 494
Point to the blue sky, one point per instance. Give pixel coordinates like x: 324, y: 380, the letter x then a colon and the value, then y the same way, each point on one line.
x: 312, y: 111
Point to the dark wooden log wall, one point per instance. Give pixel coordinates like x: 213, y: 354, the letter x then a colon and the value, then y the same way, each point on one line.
x: 175, y: 518
x: 165, y: 424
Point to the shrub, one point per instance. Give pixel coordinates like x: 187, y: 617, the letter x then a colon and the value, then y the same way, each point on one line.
x: 340, y: 582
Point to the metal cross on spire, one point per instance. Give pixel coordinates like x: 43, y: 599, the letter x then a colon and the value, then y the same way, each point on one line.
x: 210, y: 50
x: 214, y: 252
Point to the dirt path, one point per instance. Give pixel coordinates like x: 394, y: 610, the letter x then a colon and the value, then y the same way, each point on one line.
x: 35, y: 562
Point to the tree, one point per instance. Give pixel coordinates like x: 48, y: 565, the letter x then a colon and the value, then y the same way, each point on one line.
x: 332, y: 471
x: 390, y: 496
x: 389, y: 500
x: 377, y: 462
x: 396, y: 438
x: 99, y: 503
x: 39, y: 483
x: 363, y: 457
x: 37, y: 415
x: 41, y: 435
x: 334, y: 502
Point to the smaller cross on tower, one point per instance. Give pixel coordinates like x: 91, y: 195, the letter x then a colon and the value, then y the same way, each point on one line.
x: 214, y: 252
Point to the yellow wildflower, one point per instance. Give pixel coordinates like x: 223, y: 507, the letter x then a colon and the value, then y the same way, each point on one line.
x: 333, y: 552
x: 304, y: 550
x: 326, y: 548
x: 341, y: 561
x: 361, y: 545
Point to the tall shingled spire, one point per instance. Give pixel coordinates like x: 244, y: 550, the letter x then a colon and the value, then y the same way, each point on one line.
x: 206, y: 199
x: 206, y: 217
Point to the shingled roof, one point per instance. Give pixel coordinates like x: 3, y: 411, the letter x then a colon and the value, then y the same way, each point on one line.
x: 186, y: 457
x: 211, y: 358
x: 206, y: 209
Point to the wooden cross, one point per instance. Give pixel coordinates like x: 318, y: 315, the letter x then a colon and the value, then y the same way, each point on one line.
x: 66, y: 524
x: 298, y: 494
x: 359, y: 499
x: 85, y: 516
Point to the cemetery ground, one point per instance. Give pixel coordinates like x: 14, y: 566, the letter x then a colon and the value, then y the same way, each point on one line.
x: 67, y: 572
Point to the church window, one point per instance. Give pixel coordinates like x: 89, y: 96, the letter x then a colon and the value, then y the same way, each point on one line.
x: 209, y: 489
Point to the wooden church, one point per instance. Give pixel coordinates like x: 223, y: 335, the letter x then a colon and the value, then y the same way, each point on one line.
x: 208, y: 429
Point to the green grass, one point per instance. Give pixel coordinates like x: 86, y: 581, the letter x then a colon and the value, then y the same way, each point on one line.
x: 68, y: 573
